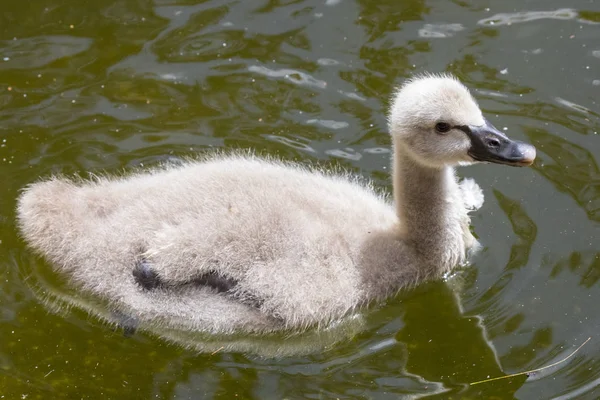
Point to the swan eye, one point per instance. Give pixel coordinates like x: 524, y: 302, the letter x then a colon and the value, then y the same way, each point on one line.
x: 442, y: 127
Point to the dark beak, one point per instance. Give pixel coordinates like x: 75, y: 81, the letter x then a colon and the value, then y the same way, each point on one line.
x: 488, y: 144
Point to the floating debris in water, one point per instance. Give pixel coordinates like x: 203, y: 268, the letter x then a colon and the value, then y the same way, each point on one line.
x: 533, y: 372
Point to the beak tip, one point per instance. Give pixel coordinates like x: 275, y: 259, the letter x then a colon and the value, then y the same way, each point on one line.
x: 528, y: 154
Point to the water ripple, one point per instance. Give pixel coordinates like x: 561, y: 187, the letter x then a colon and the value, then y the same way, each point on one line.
x: 440, y: 30
x: 291, y: 75
x: 527, y: 16
x: 328, y: 123
x: 39, y: 51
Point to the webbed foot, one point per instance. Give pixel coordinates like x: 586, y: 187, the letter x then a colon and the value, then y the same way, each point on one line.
x: 215, y: 281
x: 145, y: 276
x: 128, y: 323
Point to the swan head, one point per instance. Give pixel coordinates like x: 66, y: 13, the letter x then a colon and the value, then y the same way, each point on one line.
x: 437, y: 120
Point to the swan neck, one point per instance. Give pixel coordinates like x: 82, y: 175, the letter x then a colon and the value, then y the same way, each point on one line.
x: 429, y: 208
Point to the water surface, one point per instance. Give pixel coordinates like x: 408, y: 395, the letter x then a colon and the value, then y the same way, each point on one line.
x: 111, y: 85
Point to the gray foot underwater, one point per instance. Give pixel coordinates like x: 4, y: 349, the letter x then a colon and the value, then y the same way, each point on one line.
x: 145, y: 276
x: 128, y: 323
x: 149, y: 279
x: 217, y: 282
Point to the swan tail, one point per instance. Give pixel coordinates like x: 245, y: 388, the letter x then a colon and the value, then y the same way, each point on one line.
x: 47, y: 215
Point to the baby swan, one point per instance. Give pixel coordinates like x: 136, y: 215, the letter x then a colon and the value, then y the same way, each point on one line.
x: 243, y: 244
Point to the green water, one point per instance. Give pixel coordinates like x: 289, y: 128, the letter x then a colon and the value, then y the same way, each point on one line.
x: 109, y: 85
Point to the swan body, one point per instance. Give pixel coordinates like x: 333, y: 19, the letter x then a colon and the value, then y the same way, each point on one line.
x: 240, y: 243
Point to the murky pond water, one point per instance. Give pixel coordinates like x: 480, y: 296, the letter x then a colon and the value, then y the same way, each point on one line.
x: 111, y: 85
